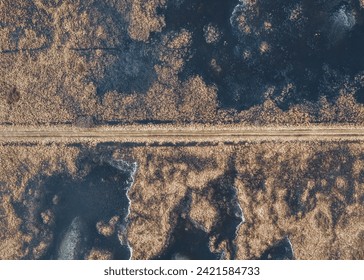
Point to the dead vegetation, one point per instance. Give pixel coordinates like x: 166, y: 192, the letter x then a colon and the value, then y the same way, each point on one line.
x: 311, y: 192
x: 62, y: 66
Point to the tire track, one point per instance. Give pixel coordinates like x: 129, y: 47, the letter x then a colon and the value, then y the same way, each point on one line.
x: 178, y: 134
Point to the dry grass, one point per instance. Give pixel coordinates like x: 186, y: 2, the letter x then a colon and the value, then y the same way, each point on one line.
x: 53, y: 60
x: 309, y: 191
x: 51, y: 72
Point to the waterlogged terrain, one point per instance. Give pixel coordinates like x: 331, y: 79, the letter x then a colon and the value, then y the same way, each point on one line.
x: 79, y: 216
x: 235, y: 129
x: 293, y: 200
x: 165, y: 61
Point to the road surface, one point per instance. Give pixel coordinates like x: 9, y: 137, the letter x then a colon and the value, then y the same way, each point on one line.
x: 178, y: 134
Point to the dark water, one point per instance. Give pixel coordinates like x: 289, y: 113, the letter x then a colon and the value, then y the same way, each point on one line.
x: 99, y: 192
x: 316, y: 55
x: 230, y: 215
x: 187, y: 240
x: 190, y: 241
x: 194, y: 15
x: 78, y: 204
x: 282, y: 250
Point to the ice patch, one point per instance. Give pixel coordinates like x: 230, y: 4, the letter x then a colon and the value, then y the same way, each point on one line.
x: 282, y: 250
x: 130, y: 168
x: 342, y: 21
x: 73, y: 243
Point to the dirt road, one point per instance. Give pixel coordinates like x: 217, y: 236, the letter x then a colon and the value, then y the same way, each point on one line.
x: 177, y: 134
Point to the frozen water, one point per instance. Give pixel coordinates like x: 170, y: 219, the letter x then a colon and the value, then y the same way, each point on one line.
x: 72, y: 246
x: 341, y: 22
